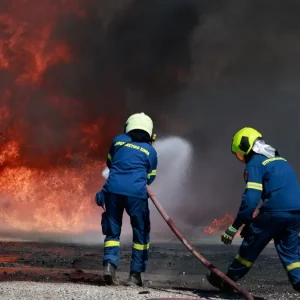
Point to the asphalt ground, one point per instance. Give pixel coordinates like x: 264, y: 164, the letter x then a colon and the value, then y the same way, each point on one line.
x: 172, y: 272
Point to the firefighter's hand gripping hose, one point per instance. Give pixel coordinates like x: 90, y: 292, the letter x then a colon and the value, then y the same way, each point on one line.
x: 188, y: 245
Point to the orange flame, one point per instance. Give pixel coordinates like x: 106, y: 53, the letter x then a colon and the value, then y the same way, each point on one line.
x: 25, y: 47
x: 224, y: 222
x: 59, y: 200
x: 220, y: 224
x: 37, y: 193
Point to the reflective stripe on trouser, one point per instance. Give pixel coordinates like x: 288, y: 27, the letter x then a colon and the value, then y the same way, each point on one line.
x: 256, y: 239
x: 138, y: 212
x: 293, y: 272
x: 289, y: 254
x: 141, y: 241
x: 239, y: 268
x: 283, y: 227
x: 111, y: 227
x: 112, y: 251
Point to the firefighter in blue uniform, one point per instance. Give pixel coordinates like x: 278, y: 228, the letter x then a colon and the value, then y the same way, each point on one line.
x: 132, y: 163
x: 269, y: 177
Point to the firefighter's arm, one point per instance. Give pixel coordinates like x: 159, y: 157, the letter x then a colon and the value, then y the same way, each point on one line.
x: 109, y: 155
x: 153, y: 161
x: 251, y: 196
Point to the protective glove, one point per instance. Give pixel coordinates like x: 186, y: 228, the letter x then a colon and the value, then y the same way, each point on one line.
x: 228, y: 235
x: 99, y: 198
x: 105, y: 173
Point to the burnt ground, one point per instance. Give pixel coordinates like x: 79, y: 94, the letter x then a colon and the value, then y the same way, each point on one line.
x: 170, y: 266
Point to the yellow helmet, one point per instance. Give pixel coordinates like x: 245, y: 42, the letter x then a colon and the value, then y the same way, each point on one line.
x: 244, y: 140
x: 139, y: 121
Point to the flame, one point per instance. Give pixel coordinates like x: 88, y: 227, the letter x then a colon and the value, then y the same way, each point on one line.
x: 25, y: 46
x: 220, y: 224
x: 49, y: 173
x: 57, y: 200
x: 223, y: 223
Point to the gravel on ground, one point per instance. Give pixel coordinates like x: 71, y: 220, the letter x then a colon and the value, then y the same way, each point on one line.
x: 66, y: 291
x: 24, y: 290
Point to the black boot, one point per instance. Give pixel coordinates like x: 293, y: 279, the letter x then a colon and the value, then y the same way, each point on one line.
x: 134, y: 279
x: 109, y: 274
x: 219, y: 283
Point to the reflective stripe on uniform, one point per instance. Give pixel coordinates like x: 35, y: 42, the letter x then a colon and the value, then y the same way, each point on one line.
x: 293, y: 266
x: 153, y: 173
x: 254, y: 186
x: 141, y: 247
x: 109, y: 156
x: 243, y: 261
x: 272, y: 159
x: 111, y: 244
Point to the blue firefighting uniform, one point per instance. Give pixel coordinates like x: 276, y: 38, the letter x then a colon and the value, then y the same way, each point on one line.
x: 132, y: 166
x: 274, y: 181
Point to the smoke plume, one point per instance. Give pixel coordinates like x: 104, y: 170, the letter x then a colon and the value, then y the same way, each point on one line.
x: 202, y: 69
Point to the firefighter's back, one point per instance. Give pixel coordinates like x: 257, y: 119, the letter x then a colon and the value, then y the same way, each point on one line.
x: 280, y: 184
x: 130, y: 166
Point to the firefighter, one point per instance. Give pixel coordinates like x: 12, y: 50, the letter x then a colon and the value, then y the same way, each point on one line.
x: 132, y: 163
x: 269, y: 177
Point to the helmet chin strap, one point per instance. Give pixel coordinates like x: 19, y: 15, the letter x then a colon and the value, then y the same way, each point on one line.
x: 153, y: 138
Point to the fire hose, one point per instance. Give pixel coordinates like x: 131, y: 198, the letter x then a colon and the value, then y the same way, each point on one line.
x: 188, y: 245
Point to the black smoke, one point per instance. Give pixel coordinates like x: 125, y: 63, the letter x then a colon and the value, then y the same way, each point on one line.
x: 142, y: 47
x: 127, y: 56
x: 202, y: 69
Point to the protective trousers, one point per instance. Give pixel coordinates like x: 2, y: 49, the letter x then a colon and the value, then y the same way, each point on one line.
x: 138, y: 211
x: 283, y: 227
